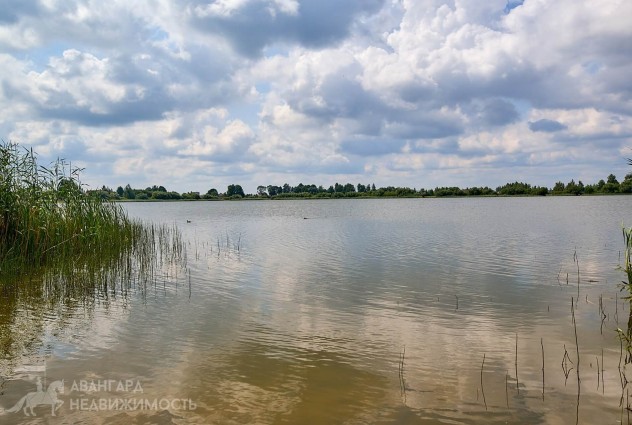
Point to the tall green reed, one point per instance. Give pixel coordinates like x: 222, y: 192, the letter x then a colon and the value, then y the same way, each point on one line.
x: 47, y: 219
x: 63, y: 250
x: 626, y: 336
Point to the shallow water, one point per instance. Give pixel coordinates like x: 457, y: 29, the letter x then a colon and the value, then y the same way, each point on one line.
x: 398, y: 311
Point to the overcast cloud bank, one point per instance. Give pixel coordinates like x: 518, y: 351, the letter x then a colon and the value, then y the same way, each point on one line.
x: 195, y: 94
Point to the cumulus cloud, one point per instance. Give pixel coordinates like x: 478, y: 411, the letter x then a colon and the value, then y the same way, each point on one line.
x: 498, y: 112
x: 375, y: 147
x: 548, y: 126
x: 434, y: 91
x: 12, y: 10
x: 251, y: 25
x: 221, y: 145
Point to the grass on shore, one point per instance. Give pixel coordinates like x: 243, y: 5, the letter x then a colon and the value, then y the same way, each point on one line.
x: 47, y: 219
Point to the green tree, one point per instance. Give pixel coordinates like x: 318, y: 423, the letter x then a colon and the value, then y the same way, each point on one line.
x: 611, y: 186
x: 211, y: 194
x: 128, y: 192
x: 191, y: 195
x: 540, y: 191
x: 626, y: 184
x: 274, y: 190
x: 104, y: 193
x: 155, y: 188
x: 516, y: 188
x: 447, y: 191
x: 68, y: 186
x: 120, y: 191
x: 473, y: 191
x: 574, y: 188
x: 235, y: 190
x: 559, y: 188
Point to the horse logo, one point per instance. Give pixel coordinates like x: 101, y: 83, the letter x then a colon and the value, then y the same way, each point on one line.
x: 38, y: 397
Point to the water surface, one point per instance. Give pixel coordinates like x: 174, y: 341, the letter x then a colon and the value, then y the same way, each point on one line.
x: 349, y: 311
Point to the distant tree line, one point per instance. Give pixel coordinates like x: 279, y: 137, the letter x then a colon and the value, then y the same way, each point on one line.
x: 234, y: 191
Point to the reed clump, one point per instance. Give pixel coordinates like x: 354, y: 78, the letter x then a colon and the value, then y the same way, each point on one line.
x: 626, y: 336
x: 627, y: 266
x: 47, y: 219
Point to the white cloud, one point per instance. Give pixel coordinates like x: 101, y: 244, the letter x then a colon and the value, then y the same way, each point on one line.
x: 223, y: 8
x: 290, y: 7
x: 230, y: 142
x: 254, y: 89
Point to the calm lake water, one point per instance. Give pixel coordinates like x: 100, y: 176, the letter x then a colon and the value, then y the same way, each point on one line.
x: 396, y: 311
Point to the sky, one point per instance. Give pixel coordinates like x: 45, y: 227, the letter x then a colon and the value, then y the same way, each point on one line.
x: 199, y: 94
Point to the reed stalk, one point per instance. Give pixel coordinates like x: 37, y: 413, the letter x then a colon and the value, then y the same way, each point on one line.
x: 48, y: 221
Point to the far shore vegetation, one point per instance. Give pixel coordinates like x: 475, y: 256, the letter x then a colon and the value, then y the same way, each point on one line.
x: 311, y: 191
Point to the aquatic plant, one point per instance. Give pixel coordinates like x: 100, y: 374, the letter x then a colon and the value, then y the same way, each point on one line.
x: 626, y: 336
x: 47, y: 219
x: 627, y: 266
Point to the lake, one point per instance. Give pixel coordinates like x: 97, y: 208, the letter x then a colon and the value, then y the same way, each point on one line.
x: 384, y: 311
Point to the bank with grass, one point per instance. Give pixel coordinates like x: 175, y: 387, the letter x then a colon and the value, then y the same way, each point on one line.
x: 47, y: 219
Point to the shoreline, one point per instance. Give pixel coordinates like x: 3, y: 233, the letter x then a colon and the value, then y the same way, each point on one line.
x: 307, y: 198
